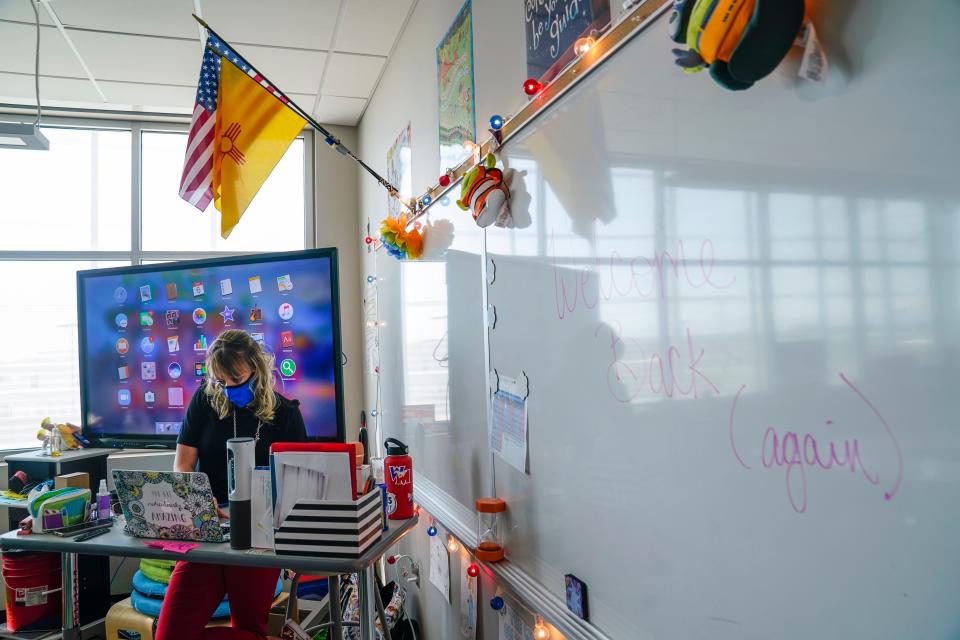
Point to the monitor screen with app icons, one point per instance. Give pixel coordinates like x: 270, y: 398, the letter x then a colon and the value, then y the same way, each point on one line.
x: 144, y: 333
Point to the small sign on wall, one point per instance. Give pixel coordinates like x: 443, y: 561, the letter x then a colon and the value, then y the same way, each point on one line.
x: 553, y: 26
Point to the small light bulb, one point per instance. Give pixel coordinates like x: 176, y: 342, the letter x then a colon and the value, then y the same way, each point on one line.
x: 470, y: 146
x: 452, y: 545
x: 374, y: 413
x: 444, y: 200
x: 371, y: 323
x: 496, y: 122
x: 496, y: 603
x: 444, y: 180
x: 582, y: 45
x: 368, y: 240
x: 431, y: 531
x: 473, y: 570
x: 532, y: 86
x: 426, y: 200
x: 540, y: 631
x: 370, y: 279
x: 391, y: 559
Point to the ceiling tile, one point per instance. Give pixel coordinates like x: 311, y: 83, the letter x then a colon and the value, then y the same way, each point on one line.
x: 352, y: 75
x: 371, y: 26
x: 18, y: 89
x: 337, y: 110
x: 177, y: 62
x: 306, y: 24
x: 170, y: 18
x: 135, y: 58
x: 20, y: 10
x: 17, y: 47
x: 291, y: 70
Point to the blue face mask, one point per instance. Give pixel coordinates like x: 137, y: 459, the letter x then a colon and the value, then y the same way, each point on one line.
x: 242, y: 394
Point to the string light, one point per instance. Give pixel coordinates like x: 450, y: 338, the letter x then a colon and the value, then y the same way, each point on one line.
x: 431, y: 531
x: 471, y: 146
x: 368, y: 240
x: 444, y: 180
x: 426, y: 200
x: 496, y: 602
x: 391, y: 559
x: 582, y: 45
x: 473, y: 570
x: 374, y: 412
x: 370, y: 280
x: 452, y: 545
x: 496, y: 122
x: 532, y: 86
x: 540, y: 631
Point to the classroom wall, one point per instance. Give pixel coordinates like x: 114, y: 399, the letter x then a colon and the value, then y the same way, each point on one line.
x: 335, y: 195
x: 408, y: 92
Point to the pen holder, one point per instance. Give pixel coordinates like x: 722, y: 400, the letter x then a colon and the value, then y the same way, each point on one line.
x: 332, y: 528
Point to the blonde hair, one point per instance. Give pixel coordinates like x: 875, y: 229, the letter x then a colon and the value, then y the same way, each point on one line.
x: 232, y: 349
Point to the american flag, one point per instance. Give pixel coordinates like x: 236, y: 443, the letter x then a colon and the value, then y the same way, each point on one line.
x: 196, y: 182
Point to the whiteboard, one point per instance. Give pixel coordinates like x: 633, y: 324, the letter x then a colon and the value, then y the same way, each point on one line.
x: 430, y: 353
x: 738, y: 313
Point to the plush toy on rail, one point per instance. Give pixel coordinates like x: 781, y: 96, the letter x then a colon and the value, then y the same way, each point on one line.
x: 484, y: 191
x: 741, y: 41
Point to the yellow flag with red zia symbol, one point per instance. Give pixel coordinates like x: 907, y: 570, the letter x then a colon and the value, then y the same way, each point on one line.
x: 253, y: 131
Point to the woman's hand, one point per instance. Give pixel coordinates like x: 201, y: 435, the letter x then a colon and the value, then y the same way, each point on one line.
x: 223, y: 515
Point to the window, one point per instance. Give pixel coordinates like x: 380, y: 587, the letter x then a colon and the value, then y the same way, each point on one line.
x: 74, y: 207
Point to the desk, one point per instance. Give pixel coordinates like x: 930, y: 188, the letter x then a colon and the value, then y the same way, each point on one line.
x: 116, y: 543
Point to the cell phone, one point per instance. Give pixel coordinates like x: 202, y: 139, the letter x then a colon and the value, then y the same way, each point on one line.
x: 576, y: 591
x: 69, y: 532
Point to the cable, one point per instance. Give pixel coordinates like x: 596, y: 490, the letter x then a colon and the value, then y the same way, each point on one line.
x: 36, y: 62
x: 115, y: 573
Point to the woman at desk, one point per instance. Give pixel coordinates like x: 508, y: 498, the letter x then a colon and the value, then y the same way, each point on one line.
x: 236, y: 400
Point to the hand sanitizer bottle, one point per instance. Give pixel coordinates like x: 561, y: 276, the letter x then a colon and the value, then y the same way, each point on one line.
x: 103, y: 501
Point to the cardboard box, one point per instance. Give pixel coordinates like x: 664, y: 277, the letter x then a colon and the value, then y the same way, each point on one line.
x: 79, y: 480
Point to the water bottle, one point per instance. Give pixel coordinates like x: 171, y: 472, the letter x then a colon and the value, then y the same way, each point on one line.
x: 398, y: 476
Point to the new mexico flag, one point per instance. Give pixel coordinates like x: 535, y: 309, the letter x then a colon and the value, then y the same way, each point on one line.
x: 253, y: 131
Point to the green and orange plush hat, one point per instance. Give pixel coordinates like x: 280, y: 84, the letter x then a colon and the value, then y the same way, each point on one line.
x: 484, y: 191
x: 740, y: 40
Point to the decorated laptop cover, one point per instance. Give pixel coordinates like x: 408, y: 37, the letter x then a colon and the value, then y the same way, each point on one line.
x: 168, y: 505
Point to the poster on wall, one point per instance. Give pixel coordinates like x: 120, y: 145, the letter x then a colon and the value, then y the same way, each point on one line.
x: 399, y: 169
x: 455, y: 84
x: 553, y: 26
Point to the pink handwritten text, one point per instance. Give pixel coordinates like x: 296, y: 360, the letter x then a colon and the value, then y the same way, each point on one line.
x: 643, y: 277
x: 675, y: 372
x: 797, y: 453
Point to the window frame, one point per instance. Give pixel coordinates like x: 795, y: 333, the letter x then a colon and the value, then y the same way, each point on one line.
x: 145, y: 123
x: 136, y: 254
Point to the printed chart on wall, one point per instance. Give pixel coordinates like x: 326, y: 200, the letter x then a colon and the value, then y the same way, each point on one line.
x: 440, y: 567
x: 455, y: 84
x: 553, y: 27
x: 399, y: 173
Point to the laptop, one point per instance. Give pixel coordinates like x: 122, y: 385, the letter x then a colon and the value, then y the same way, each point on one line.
x: 168, y: 504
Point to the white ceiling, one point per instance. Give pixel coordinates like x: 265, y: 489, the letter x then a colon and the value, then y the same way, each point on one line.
x: 327, y: 55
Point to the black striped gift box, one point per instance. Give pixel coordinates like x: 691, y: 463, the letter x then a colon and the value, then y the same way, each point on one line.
x: 331, y: 528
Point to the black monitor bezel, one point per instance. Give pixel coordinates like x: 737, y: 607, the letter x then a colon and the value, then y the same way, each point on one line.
x: 169, y: 442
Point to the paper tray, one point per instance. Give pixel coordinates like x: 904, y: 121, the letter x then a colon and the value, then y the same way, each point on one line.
x: 332, y: 528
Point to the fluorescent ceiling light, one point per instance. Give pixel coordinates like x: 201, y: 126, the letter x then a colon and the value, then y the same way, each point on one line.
x: 16, y: 135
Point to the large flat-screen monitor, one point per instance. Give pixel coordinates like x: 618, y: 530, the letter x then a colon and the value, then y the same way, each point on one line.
x: 144, y: 332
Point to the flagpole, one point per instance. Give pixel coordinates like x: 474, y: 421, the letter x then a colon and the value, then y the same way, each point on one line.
x: 331, y: 139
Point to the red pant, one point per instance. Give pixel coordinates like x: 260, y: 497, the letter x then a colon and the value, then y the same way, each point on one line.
x: 195, y: 591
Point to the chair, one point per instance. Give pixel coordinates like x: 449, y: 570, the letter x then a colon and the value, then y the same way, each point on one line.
x: 123, y: 617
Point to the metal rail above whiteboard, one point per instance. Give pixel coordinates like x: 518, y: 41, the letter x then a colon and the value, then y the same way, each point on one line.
x: 619, y: 34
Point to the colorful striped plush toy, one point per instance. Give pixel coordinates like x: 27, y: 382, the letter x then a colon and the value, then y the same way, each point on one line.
x: 741, y: 41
